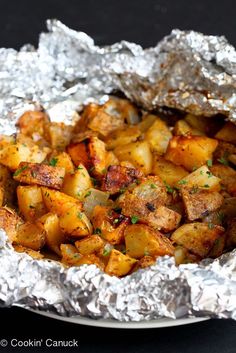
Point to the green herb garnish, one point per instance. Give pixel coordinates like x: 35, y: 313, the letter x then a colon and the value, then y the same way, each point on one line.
x: 17, y: 172
x: 97, y: 231
x: 182, y: 182
x: 222, y: 160
x: 88, y: 193
x: 134, y: 219
x: 211, y: 225
x: 209, y: 162
x: 53, y: 162
x: 153, y: 186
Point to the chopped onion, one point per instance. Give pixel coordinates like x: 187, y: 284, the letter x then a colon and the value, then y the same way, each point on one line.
x: 93, y: 198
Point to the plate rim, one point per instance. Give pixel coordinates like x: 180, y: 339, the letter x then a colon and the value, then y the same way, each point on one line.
x: 115, y: 324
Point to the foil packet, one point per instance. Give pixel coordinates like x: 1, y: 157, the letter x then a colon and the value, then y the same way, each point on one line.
x: 186, y: 70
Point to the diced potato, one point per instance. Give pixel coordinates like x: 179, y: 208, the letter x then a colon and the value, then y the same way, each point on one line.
x: 163, y: 219
x: 31, y: 236
x: 218, y: 247
x: 12, y: 155
x: 190, y: 151
x: 75, y: 223
x: 223, y: 151
x: 79, y: 153
x: 198, y: 238
x: 169, y: 172
x: 119, y: 264
x: 89, y: 245
x: 146, y: 261
x: 71, y: 257
x: 6, y: 140
x: 183, y: 256
x: 201, y: 178
x: 58, y: 134
x: 40, y: 174
x: 7, y: 186
x: 77, y: 183
x: 227, y: 176
x: 148, y: 195
x: 92, y: 198
x: 9, y: 221
x: 30, y: 202
x: 58, y: 202
x: 63, y: 160
x: 119, y: 177
x: 109, y: 224
x: 231, y: 234
x: 199, y: 203
x: 158, y: 135
x: 138, y: 153
x: 34, y: 254
x: 183, y: 128
x: 122, y: 137
x: 197, y: 122
x: 142, y: 240
x: 227, y: 133
x: 147, y: 121
x: 54, y: 236
x: 33, y: 122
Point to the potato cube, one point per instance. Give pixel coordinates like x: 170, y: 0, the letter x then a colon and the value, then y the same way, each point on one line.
x: 183, y: 128
x: 30, y: 202
x: 227, y: 177
x: 190, y: 151
x: 227, y: 133
x: 40, y: 174
x: 122, y: 137
x: 79, y: 153
x: 119, y: 264
x: 9, y: 221
x: 231, y: 234
x: 90, y: 244
x: 63, y: 160
x: 58, y: 135
x: 163, y: 219
x: 198, y: 238
x: 33, y: 122
x: 158, y: 135
x: 71, y: 257
x: 142, y: 240
x: 33, y: 253
x: 77, y: 183
x: 31, y: 236
x: 138, y: 153
x: 201, y: 178
x: 169, y: 172
x: 75, y: 223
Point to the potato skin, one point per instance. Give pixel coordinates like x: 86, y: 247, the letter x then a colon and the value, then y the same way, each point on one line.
x: 141, y: 240
x: 118, y: 178
x: 163, y: 219
x: 10, y: 221
x: 190, y: 151
x: 199, y: 238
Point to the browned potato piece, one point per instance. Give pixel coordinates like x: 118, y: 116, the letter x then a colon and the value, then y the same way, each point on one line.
x: 30, y: 202
x: 231, y: 234
x: 163, y: 219
x: 201, y: 178
x: 109, y: 224
x: 183, y: 256
x: 200, y: 123
x: 31, y: 236
x: 146, y: 261
x: 138, y: 153
x: 9, y: 221
x: 40, y: 174
x: 227, y: 133
x: 143, y: 198
x: 90, y: 244
x: 158, y: 135
x: 34, y: 254
x: 190, y: 151
x: 63, y: 160
x: 7, y: 186
x: 223, y: 151
x: 75, y: 223
x: 33, y: 122
x: 12, y: 155
x: 227, y: 176
x: 169, y: 172
x: 183, y: 128
x: 58, y: 135
x: 122, y: 137
x: 147, y: 121
x: 199, y: 203
x: 58, y: 202
x: 198, y: 238
x: 54, y: 236
x: 77, y: 183
x: 71, y: 257
x: 119, y: 264
x: 79, y: 153
x: 118, y: 178
x: 6, y: 140
x: 142, y: 240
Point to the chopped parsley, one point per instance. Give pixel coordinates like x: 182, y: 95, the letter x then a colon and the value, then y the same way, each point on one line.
x: 79, y: 215
x: 209, y: 174
x: 169, y: 189
x: 194, y: 189
x: 94, y: 181
x: 201, y: 172
x: 17, y: 172
x: 220, y: 216
x: 134, y: 219
x: 53, y: 162
x: 88, y: 193
x: 153, y: 186
x: 116, y: 220
x: 80, y: 168
x: 206, y: 186
x: 209, y: 162
x: 107, y: 249
x: 211, y: 225
x: 222, y: 160
x: 97, y: 231
x: 182, y: 182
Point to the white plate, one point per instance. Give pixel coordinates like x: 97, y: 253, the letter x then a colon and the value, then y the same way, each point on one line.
x: 124, y: 325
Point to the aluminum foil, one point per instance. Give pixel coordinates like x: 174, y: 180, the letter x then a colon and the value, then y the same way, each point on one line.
x: 186, y: 70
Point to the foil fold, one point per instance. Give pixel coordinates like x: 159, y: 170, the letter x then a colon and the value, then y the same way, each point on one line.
x: 187, y: 71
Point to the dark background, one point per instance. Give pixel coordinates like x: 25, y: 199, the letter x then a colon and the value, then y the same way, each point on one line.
x: 108, y: 21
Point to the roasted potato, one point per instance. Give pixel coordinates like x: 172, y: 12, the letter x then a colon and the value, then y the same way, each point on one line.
x: 75, y: 223
x: 158, y: 135
x: 63, y: 160
x: 162, y: 218
x: 119, y: 264
x: 33, y: 123
x: 10, y: 221
x: 227, y: 177
x: 227, y: 133
x: 183, y: 128
x: 31, y: 236
x: 199, y: 238
x: 40, y: 174
x: 142, y: 240
x: 190, y: 151
x: 122, y: 137
x: 89, y: 245
x: 30, y: 202
x: 76, y: 184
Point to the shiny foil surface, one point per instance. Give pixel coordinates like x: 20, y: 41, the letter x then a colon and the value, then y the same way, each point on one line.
x: 186, y: 70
